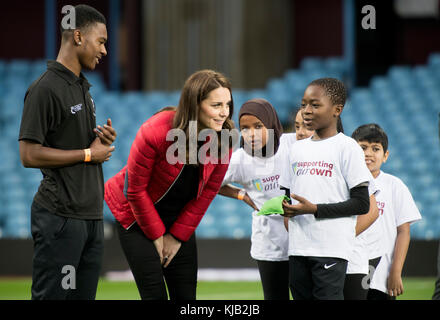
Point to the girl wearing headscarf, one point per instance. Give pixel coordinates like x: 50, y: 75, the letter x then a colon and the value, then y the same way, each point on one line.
x: 255, y: 166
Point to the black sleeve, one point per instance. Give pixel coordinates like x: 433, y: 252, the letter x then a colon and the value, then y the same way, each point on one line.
x: 358, y: 204
x: 287, y: 193
x: 40, y: 114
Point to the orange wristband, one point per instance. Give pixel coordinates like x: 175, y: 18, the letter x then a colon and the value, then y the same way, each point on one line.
x: 241, y: 195
x: 87, y: 155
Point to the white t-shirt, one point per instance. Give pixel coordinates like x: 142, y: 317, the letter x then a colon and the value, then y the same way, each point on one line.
x: 259, y: 177
x: 396, y: 207
x: 358, y: 263
x: 372, y: 237
x: 323, y: 171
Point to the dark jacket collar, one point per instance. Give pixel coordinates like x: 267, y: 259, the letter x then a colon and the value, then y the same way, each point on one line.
x: 66, y: 74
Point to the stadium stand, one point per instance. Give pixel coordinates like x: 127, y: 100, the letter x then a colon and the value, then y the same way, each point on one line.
x: 405, y: 102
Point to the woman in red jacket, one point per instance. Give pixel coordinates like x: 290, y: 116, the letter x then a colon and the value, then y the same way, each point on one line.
x: 158, y: 203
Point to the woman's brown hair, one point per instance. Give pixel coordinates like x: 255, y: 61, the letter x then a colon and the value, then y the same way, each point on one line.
x: 196, y: 89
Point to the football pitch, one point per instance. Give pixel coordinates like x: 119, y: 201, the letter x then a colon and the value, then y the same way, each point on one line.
x: 19, y: 289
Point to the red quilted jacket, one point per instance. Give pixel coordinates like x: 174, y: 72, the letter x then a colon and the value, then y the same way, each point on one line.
x: 150, y: 177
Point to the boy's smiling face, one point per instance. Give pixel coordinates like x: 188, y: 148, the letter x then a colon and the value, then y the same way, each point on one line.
x: 374, y: 156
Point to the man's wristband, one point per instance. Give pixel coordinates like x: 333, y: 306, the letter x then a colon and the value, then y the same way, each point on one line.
x: 241, y: 194
x: 87, y: 155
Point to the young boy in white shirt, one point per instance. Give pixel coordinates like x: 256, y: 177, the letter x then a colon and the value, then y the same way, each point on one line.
x: 389, y: 236
x: 357, y: 279
x: 328, y: 178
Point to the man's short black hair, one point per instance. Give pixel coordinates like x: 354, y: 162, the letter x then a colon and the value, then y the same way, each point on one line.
x: 371, y: 133
x: 334, y: 89
x: 85, y: 17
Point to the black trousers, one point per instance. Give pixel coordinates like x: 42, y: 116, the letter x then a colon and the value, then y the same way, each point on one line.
x: 357, y: 285
x: 354, y: 288
x: 274, y: 279
x: 180, y: 275
x: 436, y: 294
x: 374, y: 294
x: 317, y: 278
x: 67, y: 256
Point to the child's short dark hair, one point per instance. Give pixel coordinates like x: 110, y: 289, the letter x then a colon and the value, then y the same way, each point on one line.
x: 334, y: 89
x: 86, y: 16
x: 371, y: 133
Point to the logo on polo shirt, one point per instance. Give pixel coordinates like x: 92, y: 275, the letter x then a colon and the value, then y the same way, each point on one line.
x: 76, y: 109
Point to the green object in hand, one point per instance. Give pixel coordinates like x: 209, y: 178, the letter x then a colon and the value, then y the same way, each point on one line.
x: 273, y: 206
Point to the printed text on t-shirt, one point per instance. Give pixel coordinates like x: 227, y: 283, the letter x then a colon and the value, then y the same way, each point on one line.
x: 318, y: 168
x: 381, y: 207
x: 266, y: 184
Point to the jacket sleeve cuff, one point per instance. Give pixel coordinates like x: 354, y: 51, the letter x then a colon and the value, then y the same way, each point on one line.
x: 180, y: 234
x: 153, y: 232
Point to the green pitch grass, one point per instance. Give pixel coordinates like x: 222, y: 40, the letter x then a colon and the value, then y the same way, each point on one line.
x: 19, y: 289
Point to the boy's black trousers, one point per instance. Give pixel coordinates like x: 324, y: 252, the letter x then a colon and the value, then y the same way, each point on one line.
x: 67, y: 256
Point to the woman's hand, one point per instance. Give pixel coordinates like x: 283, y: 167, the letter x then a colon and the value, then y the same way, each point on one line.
x: 170, y: 248
x: 158, y: 243
x: 303, y: 207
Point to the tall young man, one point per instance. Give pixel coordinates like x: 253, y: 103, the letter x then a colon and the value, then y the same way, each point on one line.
x: 58, y: 135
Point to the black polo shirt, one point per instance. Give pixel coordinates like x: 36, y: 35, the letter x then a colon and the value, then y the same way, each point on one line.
x: 59, y: 113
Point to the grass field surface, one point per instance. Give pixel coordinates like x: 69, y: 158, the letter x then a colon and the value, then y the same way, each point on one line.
x: 19, y: 289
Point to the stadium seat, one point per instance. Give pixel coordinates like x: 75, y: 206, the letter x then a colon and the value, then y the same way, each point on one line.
x: 17, y: 228
x: 18, y: 67
x: 337, y: 66
x: 434, y: 60
x: 96, y: 80
x: 393, y: 100
x: 209, y: 232
x: 2, y: 68
x: 108, y: 216
x: 296, y: 82
x: 312, y: 64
